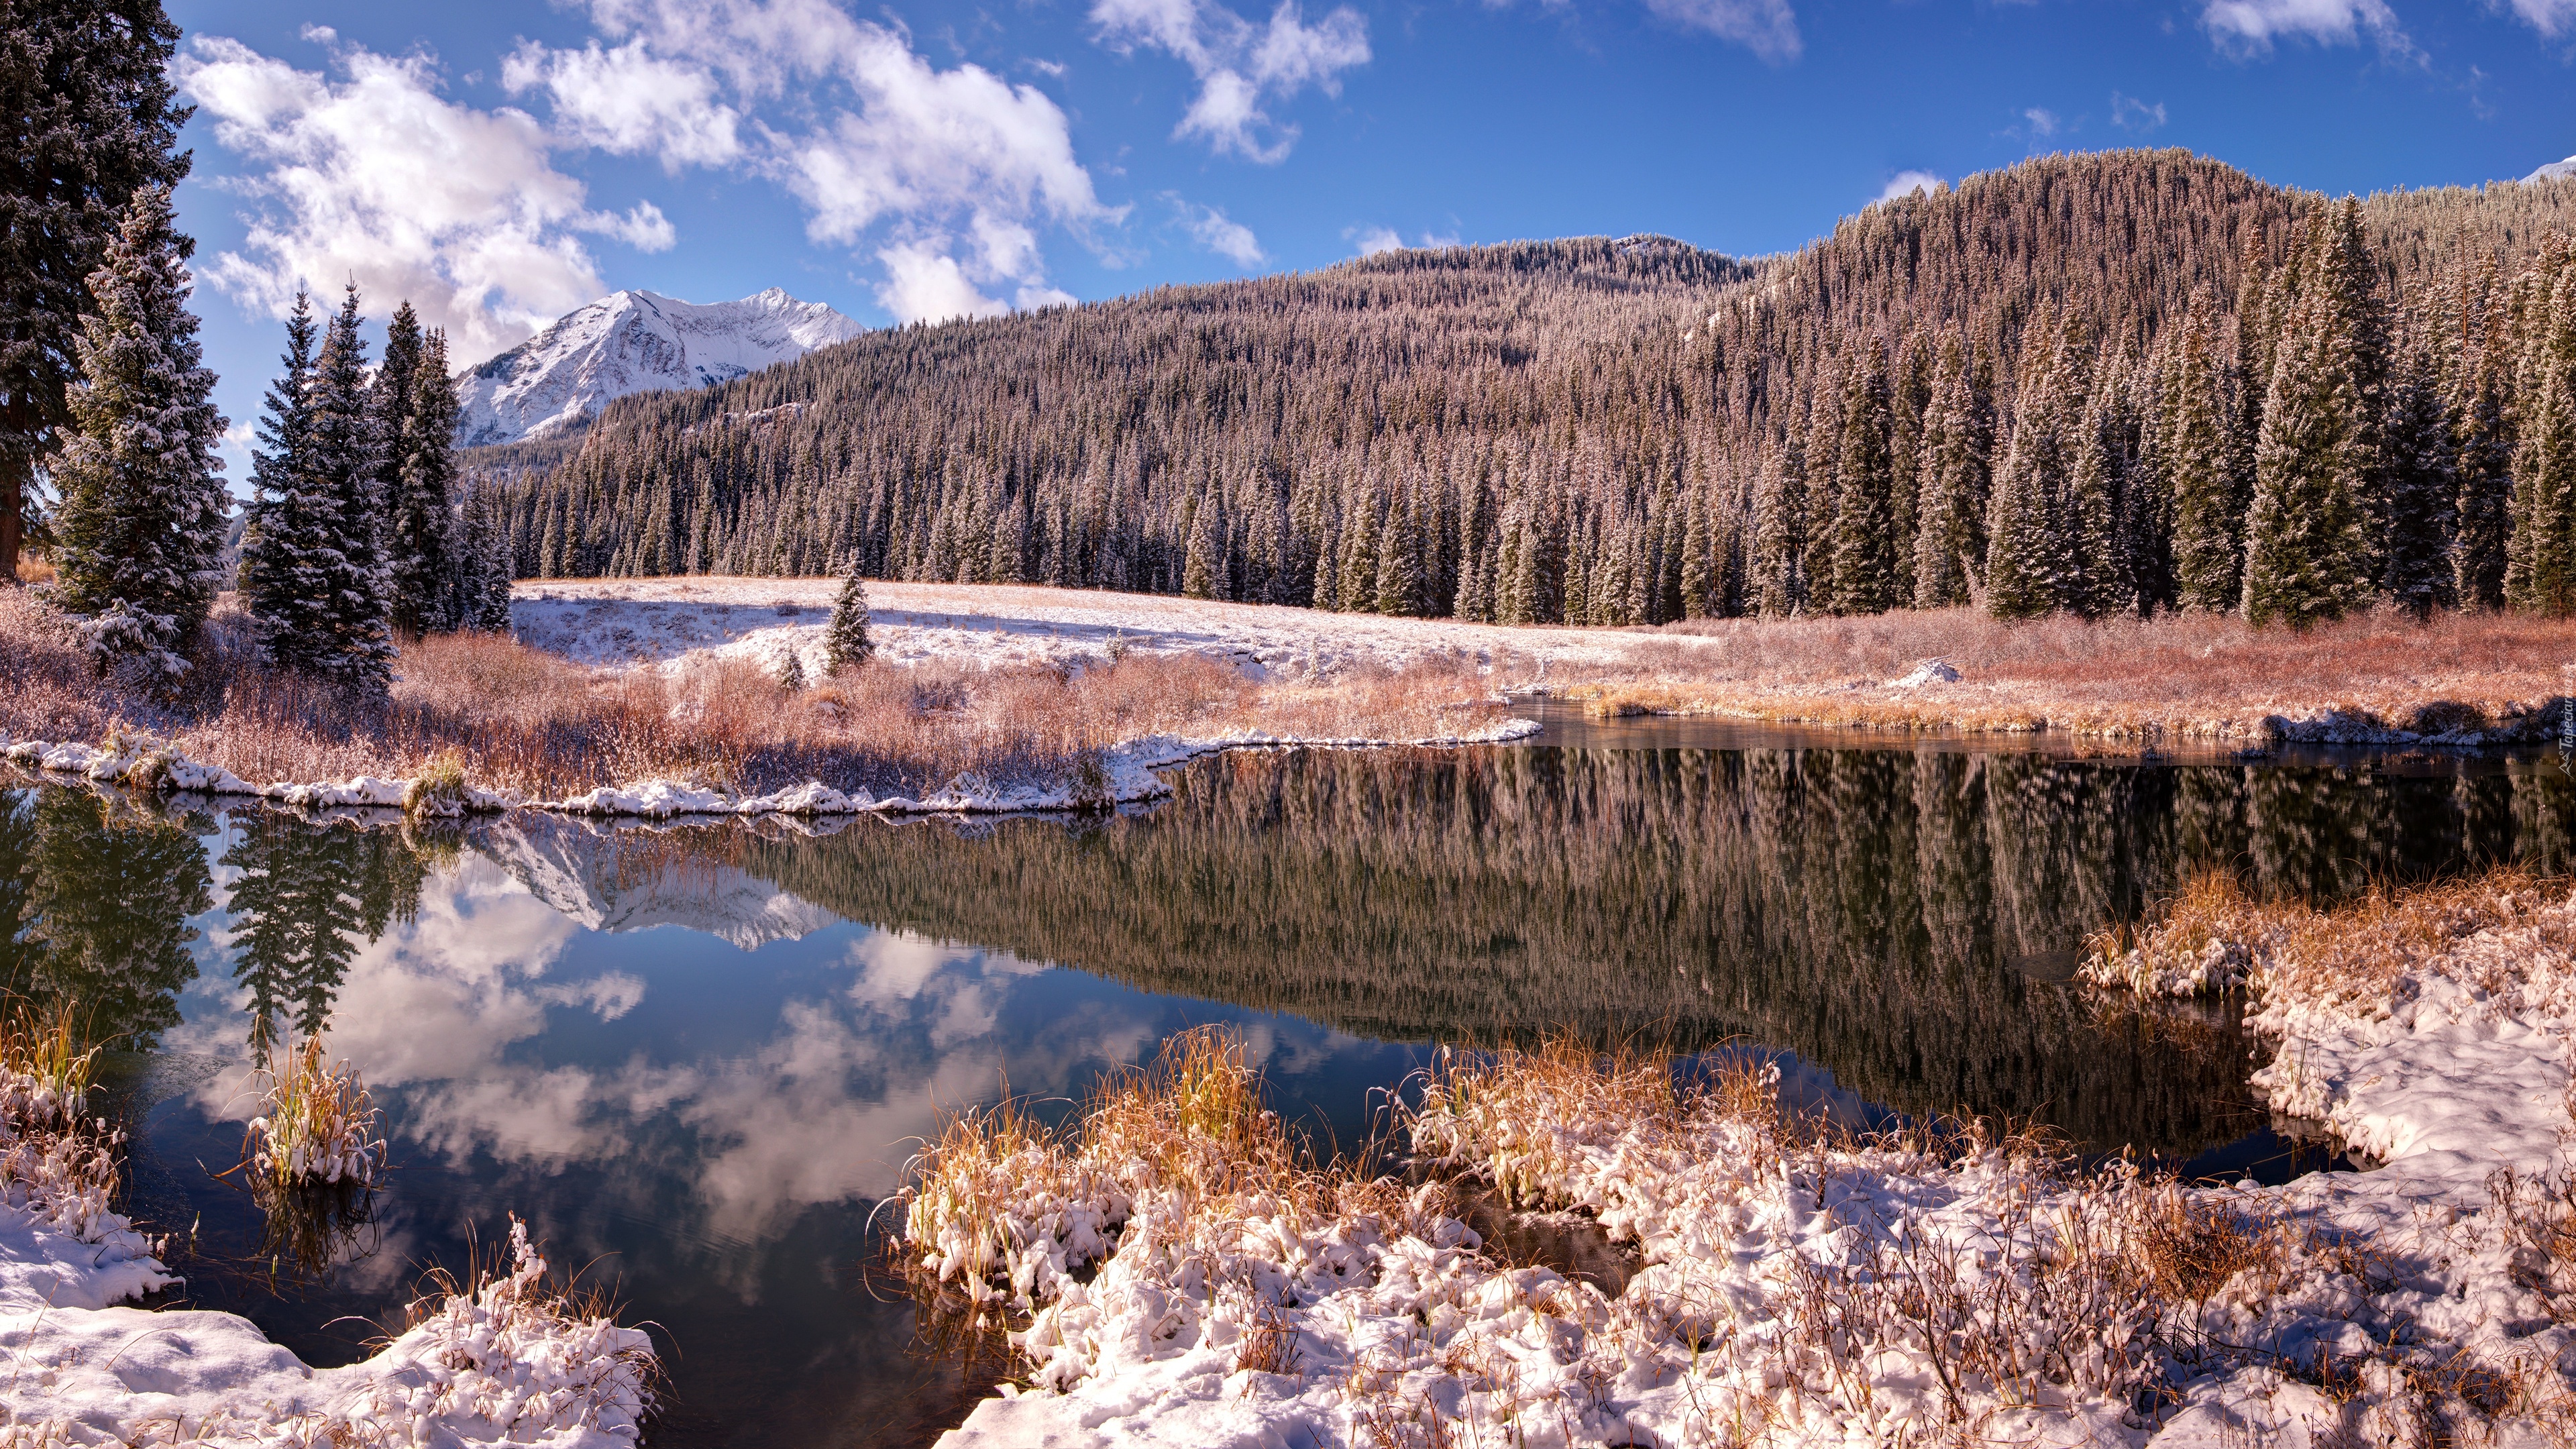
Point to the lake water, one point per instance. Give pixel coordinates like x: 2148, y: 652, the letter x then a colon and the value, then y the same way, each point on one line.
x: 691, y: 1058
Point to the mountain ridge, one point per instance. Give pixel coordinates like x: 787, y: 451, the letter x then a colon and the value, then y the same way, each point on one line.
x: 634, y: 341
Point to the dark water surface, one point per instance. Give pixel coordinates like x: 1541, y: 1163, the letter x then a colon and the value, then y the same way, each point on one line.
x: 691, y: 1057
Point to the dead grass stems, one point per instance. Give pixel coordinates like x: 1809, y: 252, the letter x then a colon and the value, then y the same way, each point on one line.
x: 485, y: 710
x: 2178, y: 677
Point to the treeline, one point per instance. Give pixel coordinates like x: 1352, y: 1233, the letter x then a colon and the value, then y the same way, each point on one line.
x: 2126, y: 381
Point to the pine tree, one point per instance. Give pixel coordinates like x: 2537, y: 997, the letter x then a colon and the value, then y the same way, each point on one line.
x: 1400, y: 583
x: 2028, y: 562
x: 1951, y: 485
x: 1360, y: 549
x: 414, y: 410
x: 1200, y: 565
x: 2305, y: 557
x: 311, y: 571
x: 87, y: 119
x: 1699, y: 581
x: 2097, y: 580
x: 2196, y: 456
x: 2421, y: 489
x: 1865, y: 575
x: 141, y: 520
x: 2482, y: 518
x: 1780, y: 521
x: 846, y: 644
x: 2542, y: 574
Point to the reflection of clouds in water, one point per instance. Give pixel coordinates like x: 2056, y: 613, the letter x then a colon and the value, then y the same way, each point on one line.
x: 448, y: 1010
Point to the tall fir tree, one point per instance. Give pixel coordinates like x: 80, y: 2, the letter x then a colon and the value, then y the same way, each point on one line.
x: 2541, y: 575
x: 2306, y: 559
x: 2028, y: 562
x: 1950, y: 535
x: 2421, y: 487
x: 2483, y: 515
x: 431, y: 552
x: 2196, y: 458
x: 2098, y: 581
x: 1865, y: 523
x: 142, y: 513
x: 312, y: 572
x: 88, y: 116
x: 1780, y: 530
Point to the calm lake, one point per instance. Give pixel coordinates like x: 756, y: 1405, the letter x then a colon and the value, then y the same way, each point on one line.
x: 692, y: 1057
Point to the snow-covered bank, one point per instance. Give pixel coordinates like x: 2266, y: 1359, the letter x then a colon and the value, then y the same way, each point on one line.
x: 1124, y: 775
x: 1800, y: 1289
x: 506, y: 1360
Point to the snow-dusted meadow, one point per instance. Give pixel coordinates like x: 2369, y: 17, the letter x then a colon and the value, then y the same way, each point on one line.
x: 623, y: 623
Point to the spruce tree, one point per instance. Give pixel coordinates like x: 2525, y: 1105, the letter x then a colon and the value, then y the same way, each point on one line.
x: 1865, y: 524
x: 2097, y: 580
x: 141, y: 520
x: 2483, y: 515
x: 87, y: 118
x: 2542, y: 574
x: 2305, y: 557
x: 414, y: 474
x: 311, y: 568
x: 2421, y: 488
x: 1400, y: 582
x: 1780, y: 522
x: 846, y: 644
x: 1699, y: 583
x: 2196, y: 456
x: 2028, y: 562
x: 1951, y: 484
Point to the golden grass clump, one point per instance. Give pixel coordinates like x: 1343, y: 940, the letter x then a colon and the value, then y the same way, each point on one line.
x: 1000, y: 1208
x: 317, y: 1125
x: 2211, y: 935
x: 55, y: 1160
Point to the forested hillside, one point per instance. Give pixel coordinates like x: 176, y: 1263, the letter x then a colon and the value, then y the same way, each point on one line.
x: 2119, y: 382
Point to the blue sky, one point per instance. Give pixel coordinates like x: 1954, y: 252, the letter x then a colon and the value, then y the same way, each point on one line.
x: 500, y: 164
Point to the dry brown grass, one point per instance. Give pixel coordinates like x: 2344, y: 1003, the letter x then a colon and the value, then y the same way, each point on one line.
x: 2183, y: 676
x: 34, y: 570
x: 2351, y: 952
x: 521, y: 719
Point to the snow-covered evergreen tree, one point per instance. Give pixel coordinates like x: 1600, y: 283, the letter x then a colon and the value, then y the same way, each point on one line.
x: 2196, y: 455
x: 415, y: 424
x: 1864, y: 553
x: 2541, y: 575
x: 312, y: 568
x: 1951, y: 484
x: 2421, y: 488
x: 1780, y: 523
x: 846, y: 644
x: 2097, y: 580
x: 2482, y: 518
x: 2028, y: 553
x: 2305, y: 556
x: 1401, y: 587
x: 141, y: 516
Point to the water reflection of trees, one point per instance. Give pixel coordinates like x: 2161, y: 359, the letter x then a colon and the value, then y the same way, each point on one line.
x: 95, y: 896
x: 309, y: 894
x: 1864, y: 908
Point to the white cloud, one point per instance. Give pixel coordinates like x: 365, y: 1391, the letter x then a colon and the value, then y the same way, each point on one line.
x: 2248, y: 27
x: 1213, y: 230
x: 944, y: 175
x: 1240, y: 65
x: 1372, y: 240
x: 630, y: 102
x: 377, y: 177
x: 1768, y: 28
x: 2549, y: 17
x: 2043, y: 122
x: 2131, y: 114
x: 1906, y: 183
x: 925, y: 284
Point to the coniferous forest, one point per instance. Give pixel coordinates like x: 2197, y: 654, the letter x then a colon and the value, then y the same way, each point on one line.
x: 2120, y: 382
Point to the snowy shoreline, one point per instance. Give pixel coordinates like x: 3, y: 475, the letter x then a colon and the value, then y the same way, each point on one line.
x: 1127, y: 778
x: 1806, y: 1291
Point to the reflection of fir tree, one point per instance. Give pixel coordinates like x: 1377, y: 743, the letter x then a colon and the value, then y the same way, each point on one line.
x: 19, y: 948
x: 307, y: 897
x: 106, y: 911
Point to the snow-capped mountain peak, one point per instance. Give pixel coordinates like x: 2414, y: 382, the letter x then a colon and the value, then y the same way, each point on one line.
x: 2554, y: 171
x: 634, y: 342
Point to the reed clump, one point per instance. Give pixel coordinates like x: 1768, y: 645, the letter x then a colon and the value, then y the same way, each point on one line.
x: 57, y: 1161
x: 317, y: 1125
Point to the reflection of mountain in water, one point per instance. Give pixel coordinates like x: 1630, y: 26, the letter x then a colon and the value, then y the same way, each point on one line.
x: 632, y: 881
x: 1857, y: 906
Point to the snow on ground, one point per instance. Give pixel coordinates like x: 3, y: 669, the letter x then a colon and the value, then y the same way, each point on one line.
x: 1786, y: 1292
x: 626, y: 622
